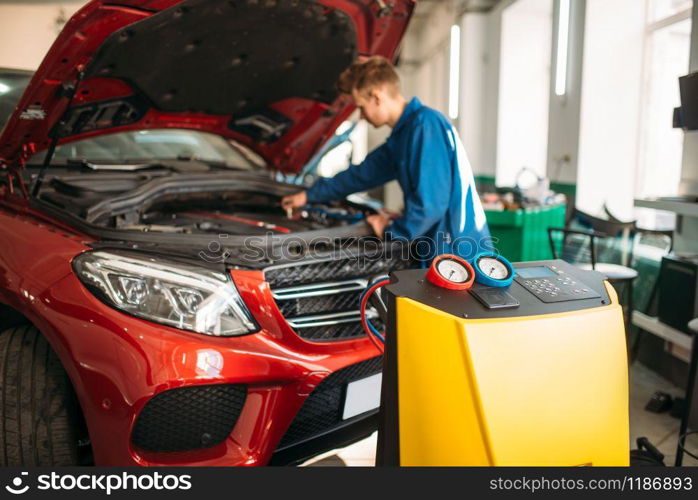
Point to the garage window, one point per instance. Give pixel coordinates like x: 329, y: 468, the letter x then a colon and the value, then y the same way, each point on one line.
x: 634, y: 52
x: 524, y: 87
x: 666, y: 59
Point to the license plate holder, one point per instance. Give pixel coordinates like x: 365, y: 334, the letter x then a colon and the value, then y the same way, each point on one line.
x: 362, y: 396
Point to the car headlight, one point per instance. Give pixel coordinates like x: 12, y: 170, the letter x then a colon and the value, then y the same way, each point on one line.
x: 174, y: 294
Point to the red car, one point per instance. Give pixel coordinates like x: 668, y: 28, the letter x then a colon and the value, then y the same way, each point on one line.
x: 157, y: 306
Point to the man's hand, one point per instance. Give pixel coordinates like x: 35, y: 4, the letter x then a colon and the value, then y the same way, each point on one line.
x: 379, y: 222
x: 294, y: 201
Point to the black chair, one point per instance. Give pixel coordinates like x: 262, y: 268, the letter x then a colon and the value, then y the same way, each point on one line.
x: 688, y: 401
x: 587, y: 248
x: 610, y: 215
x: 667, y: 234
x: 658, y: 239
x: 580, y: 247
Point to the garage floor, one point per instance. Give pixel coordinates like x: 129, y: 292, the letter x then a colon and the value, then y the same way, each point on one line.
x: 661, y: 429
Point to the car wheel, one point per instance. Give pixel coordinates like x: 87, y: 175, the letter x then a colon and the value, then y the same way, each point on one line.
x: 38, y: 421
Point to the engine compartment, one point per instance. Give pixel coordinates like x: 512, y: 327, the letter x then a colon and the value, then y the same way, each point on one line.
x: 161, y: 201
x: 235, y: 212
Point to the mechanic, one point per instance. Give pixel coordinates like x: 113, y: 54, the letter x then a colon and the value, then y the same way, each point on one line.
x: 425, y: 155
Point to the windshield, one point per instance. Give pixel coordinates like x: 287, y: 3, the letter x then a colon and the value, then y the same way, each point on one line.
x: 152, y: 145
x: 12, y: 85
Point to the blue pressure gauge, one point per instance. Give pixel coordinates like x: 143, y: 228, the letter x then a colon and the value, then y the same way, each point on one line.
x: 492, y: 269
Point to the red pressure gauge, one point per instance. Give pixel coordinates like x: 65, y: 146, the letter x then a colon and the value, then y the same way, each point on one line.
x: 452, y: 272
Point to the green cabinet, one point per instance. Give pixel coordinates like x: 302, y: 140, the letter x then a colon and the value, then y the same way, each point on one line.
x: 522, y: 235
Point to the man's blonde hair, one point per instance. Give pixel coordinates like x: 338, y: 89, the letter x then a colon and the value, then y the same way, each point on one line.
x: 364, y: 76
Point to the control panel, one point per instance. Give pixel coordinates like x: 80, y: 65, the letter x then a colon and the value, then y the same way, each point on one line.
x: 552, y: 284
x: 541, y: 287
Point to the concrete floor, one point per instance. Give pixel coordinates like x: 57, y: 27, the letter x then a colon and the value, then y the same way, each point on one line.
x: 661, y: 429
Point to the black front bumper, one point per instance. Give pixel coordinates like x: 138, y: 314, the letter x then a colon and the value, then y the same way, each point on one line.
x: 350, y: 432
x: 318, y: 426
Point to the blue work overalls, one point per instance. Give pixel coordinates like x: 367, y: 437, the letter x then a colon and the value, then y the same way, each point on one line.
x: 442, y: 208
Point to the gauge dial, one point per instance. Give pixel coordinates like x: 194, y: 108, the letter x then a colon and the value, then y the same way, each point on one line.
x: 452, y: 272
x: 493, y: 268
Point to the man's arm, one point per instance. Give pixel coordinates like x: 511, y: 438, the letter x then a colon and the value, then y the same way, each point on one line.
x: 375, y: 170
x: 429, y: 169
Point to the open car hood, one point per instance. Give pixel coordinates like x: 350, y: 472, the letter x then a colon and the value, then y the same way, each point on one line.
x: 261, y: 72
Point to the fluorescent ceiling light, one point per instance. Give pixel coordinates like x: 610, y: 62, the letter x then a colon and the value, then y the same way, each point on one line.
x: 454, y: 73
x: 563, y: 34
x: 4, y: 89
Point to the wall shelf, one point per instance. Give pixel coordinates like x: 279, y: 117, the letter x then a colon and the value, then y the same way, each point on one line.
x: 662, y: 330
x: 679, y: 207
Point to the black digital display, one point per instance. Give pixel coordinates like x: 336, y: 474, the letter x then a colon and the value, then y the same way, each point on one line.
x: 535, y: 272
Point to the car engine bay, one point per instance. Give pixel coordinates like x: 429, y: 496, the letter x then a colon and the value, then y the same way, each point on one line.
x: 159, y: 200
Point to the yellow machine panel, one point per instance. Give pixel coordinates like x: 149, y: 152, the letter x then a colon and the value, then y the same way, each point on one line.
x: 543, y: 390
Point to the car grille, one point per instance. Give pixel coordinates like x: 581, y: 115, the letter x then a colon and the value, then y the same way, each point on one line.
x: 340, y: 331
x: 322, y: 410
x: 320, y: 299
x: 189, y: 418
x: 299, y: 306
x: 314, y: 271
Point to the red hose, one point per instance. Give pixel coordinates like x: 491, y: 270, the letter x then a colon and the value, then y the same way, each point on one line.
x: 364, y: 321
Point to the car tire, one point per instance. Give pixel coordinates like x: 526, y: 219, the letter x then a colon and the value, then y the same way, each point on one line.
x: 38, y: 420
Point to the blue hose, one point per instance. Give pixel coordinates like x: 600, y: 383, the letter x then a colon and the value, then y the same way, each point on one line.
x: 373, y: 329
